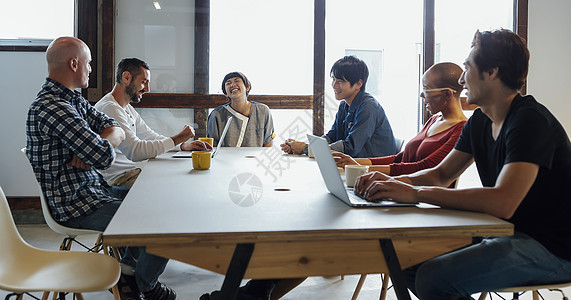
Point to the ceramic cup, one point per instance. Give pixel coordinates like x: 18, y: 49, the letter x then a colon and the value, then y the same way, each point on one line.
x: 201, y: 160
x: 207, y: 140
x: 354, y: 171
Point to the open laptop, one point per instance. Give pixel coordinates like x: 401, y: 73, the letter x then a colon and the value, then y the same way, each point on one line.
x: 222, y: 136
x: 333, y: 180
x: 186, y: 154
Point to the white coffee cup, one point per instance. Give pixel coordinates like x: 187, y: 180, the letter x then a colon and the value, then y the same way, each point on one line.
x: 354, y: 171
x: 309, y: 152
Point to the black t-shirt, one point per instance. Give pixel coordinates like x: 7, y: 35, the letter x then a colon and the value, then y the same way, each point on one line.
x: 530, y: 133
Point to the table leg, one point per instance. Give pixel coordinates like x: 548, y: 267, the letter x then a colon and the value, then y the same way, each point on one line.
x: 236, y: 271
x: 395, y: 271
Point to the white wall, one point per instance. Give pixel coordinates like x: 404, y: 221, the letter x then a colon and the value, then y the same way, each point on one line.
x: 549, y: 42
x: 21, y: 78
x: 22, y: 74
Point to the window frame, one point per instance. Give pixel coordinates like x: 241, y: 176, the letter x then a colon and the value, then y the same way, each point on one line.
x: 201, y: 101
x: 23, y: 48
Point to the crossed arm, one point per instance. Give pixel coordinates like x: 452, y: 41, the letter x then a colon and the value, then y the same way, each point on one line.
x: 501, y: 200
x: 115, y: 135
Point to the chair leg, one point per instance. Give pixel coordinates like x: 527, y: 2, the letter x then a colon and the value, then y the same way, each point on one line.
x: 359, y: 286
x: 483, y: 296
x: 115, y: 252
x: 116, y: 295
x: 10, y: 295
x: 79, y: 296
x: 59, y: 296
x: 98, y: 243
x: 535, y: 295
x: 115, y: 289
x: 384, y: 286
x: 66, y: 244
x: 46, y: 295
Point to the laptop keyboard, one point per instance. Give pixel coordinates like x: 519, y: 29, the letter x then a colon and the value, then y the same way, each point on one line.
x: 356, y: 198
x: 359, y: 201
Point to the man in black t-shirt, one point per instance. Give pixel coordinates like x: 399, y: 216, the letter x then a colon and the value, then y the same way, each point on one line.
x: 523, y: 156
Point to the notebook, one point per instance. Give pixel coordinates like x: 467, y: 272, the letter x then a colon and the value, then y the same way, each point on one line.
x: 332, y: 178
x: 187, y: 154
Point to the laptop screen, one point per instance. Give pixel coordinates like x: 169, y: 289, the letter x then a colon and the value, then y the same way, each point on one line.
x: 222, y: 136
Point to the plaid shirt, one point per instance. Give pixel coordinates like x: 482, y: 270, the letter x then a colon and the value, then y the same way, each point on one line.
x: 62, y: 123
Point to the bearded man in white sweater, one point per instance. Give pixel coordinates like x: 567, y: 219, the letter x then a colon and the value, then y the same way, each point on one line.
x: 141, y: 142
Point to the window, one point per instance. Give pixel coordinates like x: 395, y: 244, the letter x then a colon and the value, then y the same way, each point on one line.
x: 161, y: 37
x: 32, y: 22
x: 385, y: 34
x: 271, y: 42
x: 164, y: 39
x: 454, y: 28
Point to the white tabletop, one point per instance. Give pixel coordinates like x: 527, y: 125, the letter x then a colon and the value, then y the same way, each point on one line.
x: 171, y: 201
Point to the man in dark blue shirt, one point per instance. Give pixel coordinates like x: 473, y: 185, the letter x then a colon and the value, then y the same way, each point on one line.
x: 361, y: 128
x: 523, y: 156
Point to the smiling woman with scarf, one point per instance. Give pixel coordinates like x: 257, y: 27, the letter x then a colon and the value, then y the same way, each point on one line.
x: 252, y: 125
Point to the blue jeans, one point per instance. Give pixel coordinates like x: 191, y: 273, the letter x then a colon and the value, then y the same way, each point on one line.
x: 493, y: 263
x: 147, y: 266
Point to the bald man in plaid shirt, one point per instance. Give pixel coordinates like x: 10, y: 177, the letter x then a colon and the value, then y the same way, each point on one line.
x: 67, y: 139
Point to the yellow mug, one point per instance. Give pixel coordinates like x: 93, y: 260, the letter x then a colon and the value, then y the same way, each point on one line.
x: 201, y: 160
x: 207, y: 140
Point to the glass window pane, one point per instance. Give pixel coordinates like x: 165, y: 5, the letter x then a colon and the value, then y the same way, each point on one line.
x: 387, y: 35
x: 164, y: 38
x: 457, y: 21
x: 271, y: 42
x: 22, y: 25
x: 167, y: 121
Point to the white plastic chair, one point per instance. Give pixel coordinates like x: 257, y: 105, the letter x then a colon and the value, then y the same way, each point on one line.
x: 70, y: 233
x: 24, y: 268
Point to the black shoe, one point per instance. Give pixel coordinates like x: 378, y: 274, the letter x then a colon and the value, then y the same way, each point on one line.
x: 259, y: 288
x: 253, y: 290
x: 207, y: 296
x: 159, y: 292
x: 241, y: 296
x: 128, y: 289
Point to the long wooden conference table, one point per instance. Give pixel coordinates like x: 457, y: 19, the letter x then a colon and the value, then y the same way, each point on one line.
x: 258, y: 213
